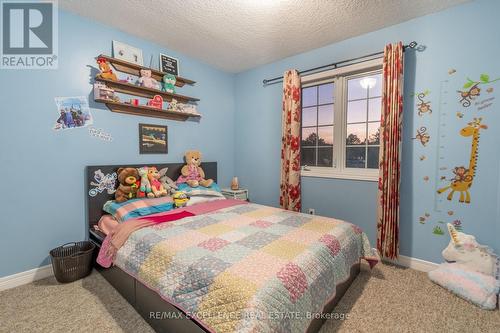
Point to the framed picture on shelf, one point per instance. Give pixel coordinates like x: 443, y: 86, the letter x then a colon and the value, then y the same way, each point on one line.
x: 128, y: 53
x: 169, y: 64
x: 153, y: 139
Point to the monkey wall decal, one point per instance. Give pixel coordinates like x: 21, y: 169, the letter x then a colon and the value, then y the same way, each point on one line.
x: 461, y: 174
x: 467, y: 96
x: 472, y: 90
x: 422, y: 136
x: 423, y: 106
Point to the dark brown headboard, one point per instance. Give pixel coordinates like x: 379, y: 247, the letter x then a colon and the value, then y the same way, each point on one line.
x: 97, y: 197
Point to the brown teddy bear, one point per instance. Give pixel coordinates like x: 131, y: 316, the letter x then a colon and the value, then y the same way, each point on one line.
x: 128, y: 187
x: 192, y: 173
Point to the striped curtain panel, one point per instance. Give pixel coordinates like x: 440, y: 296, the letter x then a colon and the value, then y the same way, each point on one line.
x: 390, y: 152
x: 290, y: 142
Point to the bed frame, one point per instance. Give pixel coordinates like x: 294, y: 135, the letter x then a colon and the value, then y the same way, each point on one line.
x: 148, y: 303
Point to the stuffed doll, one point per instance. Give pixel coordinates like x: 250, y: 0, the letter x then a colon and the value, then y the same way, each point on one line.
x: 106, y: 71
x: 127, y: 189
x: 464, y: 249
x: 169, y: 83
x: 192, y: 173
x: 147, y: 81
x: 167, y: 183
x: 156, y: 186
x: 180, y: 199
x: 144, y: 184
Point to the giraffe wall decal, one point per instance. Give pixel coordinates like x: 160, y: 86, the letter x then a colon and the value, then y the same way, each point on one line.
x: 464, y: 177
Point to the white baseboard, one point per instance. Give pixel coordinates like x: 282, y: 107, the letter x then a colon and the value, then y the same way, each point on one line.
x: 413, y: 263
x: 25, y: 277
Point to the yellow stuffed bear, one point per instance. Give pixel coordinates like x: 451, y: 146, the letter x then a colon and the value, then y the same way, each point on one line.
x: 192, y: 174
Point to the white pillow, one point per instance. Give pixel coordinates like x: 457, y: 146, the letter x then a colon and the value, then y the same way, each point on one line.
x: 475, y: 287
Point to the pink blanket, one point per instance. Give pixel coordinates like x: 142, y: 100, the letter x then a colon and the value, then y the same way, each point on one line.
x: 119, y: 235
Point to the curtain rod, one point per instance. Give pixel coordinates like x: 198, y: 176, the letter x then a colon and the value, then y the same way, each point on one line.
x: 277, y: 79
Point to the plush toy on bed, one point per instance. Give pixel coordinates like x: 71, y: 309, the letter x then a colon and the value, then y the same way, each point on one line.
x: 167, y: 183
x: 144, y: 184
x: 180, y: 199
x: 156, y: 185
x: 128, y: 187
x: 192, y: 173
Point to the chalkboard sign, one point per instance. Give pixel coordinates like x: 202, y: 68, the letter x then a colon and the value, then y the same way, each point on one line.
x: 169, y: 64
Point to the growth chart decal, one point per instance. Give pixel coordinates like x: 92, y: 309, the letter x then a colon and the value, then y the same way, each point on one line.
x: 464, y: 109
x: 463, y: 175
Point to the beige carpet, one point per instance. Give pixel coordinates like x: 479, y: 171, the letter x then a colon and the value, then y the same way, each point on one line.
x: 388, y: 299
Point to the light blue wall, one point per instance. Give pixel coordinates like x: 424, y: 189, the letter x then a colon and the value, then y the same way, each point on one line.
x: 464, y: 38
x: 43, y: 192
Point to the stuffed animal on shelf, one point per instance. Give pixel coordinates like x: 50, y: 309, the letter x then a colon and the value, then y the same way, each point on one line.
x: 156, y: 185
x: 144, y: 185
x: 169, y: 81
x: 106, y: 71
x: 147, y: 81
x: 192, y: 174
x: 127, y: 189
x: 465, y: 250
x: 174, y: 106
x: 167, y: 183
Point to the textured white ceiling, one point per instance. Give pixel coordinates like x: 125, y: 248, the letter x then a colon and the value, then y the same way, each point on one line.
x: 235, y: 35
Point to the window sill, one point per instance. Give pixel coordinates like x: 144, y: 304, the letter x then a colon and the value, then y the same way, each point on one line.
x: 367, y: 176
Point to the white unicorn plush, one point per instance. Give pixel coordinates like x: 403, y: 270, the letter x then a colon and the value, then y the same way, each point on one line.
x: 464, y: 249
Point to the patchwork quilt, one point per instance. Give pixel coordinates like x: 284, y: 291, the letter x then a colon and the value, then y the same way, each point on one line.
x: 246, y: 268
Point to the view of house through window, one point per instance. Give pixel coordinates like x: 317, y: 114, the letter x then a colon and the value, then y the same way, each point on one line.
x: 344, y: 134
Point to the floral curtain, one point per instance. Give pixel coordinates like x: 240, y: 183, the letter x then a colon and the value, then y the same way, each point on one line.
x: 390, y: 152
x: 290, y: 142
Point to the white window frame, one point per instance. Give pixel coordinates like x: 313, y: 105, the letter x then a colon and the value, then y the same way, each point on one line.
x: 340, y: 76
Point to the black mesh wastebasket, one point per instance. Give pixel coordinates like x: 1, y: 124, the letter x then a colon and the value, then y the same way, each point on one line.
x: 72, y: 261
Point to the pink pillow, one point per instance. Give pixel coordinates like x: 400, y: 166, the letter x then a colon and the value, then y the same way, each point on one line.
x: 107, y: 223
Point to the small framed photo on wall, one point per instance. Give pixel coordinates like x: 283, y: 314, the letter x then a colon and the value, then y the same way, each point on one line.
x: 169, y: 65
x: 153, y: 139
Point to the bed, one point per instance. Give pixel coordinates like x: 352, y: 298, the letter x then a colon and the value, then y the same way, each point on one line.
x: 243, y: 267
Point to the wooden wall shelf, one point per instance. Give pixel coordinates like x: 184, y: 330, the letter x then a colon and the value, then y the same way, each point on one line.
x: 133, y: 69
x: 147, y: 111
x: 132, y: 89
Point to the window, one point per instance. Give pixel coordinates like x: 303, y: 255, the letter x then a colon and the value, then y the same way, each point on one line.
x: 341, y: 122
x: 363, y: 121
x: 317, y: 125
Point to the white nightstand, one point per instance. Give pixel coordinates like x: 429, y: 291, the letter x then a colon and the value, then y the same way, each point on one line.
x: 241, y: 194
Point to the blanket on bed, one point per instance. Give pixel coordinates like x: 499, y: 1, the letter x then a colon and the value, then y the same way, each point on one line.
x: 246, y: 268
x: 120, y: 233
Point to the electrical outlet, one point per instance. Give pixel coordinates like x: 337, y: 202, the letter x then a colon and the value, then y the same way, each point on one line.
x: 311, y: 211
